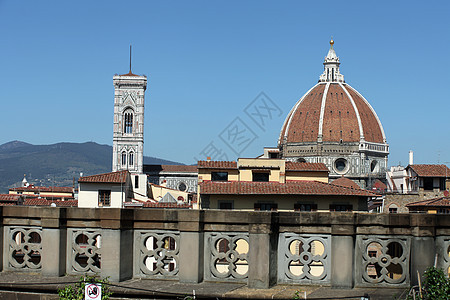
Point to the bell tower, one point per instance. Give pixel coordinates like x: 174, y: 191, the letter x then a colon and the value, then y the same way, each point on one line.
x: 128, y: 132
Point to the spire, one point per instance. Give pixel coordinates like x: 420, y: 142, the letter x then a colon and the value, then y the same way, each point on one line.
x: 130, y: 59
x: 331, y: 67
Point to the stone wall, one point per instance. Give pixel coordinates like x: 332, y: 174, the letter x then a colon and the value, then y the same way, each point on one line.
x: 256, y: 248
x: 401, y: 200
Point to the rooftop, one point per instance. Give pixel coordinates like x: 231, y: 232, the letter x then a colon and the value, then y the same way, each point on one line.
x: 345, y: 182
x: 431, y: 170
x: 305, y: 166
x: 53, y: 189
x: 170, y: 168
x: 113, y: 177
x: 301, y: 187
x: 435, y: 202
x: 212, y: 164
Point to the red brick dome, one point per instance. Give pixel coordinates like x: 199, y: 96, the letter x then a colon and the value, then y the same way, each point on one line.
x: 332, y: 112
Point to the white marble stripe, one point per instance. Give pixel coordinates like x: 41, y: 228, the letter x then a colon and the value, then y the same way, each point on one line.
x: 291, y: 115
x: 361, y: 132
x: 373, y: 111
x: 322, y: 110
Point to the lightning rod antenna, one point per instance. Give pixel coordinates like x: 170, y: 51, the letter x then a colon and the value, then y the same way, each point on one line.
x: 130, y: 58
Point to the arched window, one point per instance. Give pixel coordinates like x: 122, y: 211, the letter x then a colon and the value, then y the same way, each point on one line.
x: 131, y: 159
x: 128, y: 121
x: 124, y: 158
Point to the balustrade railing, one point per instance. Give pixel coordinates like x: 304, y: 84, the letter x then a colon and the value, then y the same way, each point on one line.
x: 257, y: 248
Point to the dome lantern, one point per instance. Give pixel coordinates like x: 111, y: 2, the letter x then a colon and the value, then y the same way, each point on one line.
x: 331, y: 67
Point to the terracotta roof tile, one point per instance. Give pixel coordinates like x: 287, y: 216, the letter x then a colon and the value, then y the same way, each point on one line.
x: 431, y: 170
x: 170, y: 168
x: 212, y: 164
x: 343, y: 181
x: 276, y: 188
x: 9, y: 197
x: 45, y: 202
x: 8, y: 204
x: 159, y: 205
x: 113, y: 177
x: 52, y: 189
x: 340, y: 120
x: 129, y: 74
x: 304, y: 166
x: 436, y: 202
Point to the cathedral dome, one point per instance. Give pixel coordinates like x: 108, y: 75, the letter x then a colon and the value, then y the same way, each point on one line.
x: 332, y: 111
x: 333, y: 124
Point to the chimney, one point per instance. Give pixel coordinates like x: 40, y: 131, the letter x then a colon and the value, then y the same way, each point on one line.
x: 411, y: 157
x: 208, y: 158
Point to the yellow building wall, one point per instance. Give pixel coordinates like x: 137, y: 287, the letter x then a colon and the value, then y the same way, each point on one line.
x: 41, y: 193
x: 275, y: 167
x: 307, y: 175
x: 285, y: 202
x: 247, y: 175
x: 262, y: 163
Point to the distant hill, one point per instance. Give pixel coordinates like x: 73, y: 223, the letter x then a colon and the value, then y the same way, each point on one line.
x: 55, y: 164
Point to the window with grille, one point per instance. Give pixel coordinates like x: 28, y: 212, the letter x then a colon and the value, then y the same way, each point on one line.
x: 341, y: 207
x: 104, y: 198
x: 266, y: 206
x: 305, y: 207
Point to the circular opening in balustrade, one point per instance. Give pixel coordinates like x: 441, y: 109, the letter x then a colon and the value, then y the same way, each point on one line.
x: 395, y: 249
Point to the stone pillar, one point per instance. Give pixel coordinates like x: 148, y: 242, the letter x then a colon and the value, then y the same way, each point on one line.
x: 423, y: 247
x: 191, y: 256
x: 116, y: 244
x: 53, y: 241
x: 442, y: 245
x: 262, y: 256
x: 342, y: 250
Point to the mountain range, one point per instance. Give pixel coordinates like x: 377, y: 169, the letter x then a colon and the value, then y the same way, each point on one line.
x: 57, y: 164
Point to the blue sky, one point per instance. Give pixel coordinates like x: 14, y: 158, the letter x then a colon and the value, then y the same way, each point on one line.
x: 206, y: 61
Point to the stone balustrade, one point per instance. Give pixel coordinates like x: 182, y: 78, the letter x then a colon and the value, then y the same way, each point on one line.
x: 257, y: 248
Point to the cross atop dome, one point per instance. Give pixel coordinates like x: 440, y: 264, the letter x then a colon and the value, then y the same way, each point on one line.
x: 331, y: 67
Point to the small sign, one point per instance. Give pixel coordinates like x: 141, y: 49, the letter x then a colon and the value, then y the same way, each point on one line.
x: 93, y: 291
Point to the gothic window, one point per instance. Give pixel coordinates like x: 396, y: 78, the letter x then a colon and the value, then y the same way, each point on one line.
x: 131, y: 159
x: 128, y: 121
x: 124, y: 158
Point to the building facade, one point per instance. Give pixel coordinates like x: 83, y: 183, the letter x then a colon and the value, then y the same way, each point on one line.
x: 334, y: 124
x: 178, y: 177
x: 274, y: 185
x: 128, y: 135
